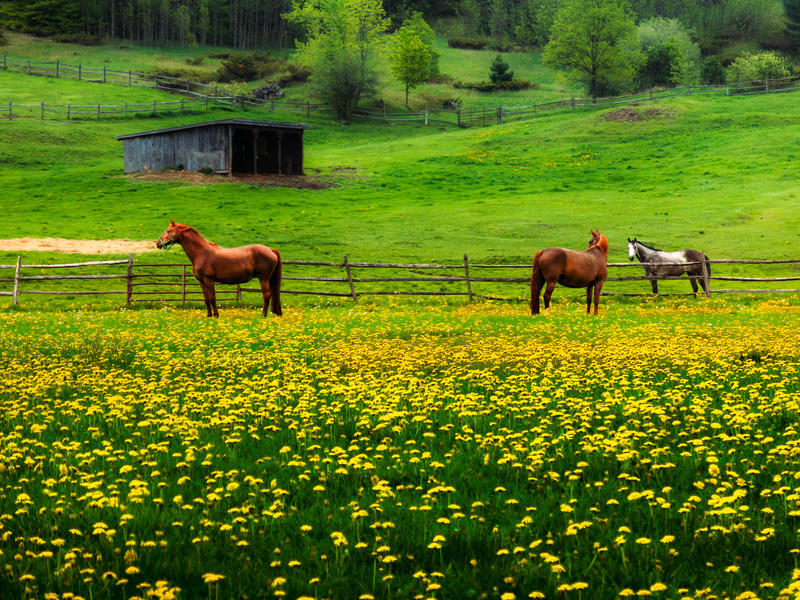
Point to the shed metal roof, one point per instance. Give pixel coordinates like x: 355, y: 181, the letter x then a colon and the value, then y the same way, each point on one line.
x: 243, y: 122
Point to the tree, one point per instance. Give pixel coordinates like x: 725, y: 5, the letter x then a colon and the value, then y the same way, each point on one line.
x: 792, y: 8
x: 343, y: 44
x: 595, y: 40
x: 757, y: 67
x: 411, y: 58
x: 498, y: 71
x: 671, y: 58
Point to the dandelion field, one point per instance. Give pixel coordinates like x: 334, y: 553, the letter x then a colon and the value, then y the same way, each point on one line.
x: 402, y: 451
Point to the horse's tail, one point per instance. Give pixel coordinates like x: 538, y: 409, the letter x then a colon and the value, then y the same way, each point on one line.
x: 275, y: 285
x: 708, y: 263
x: 536, y: 284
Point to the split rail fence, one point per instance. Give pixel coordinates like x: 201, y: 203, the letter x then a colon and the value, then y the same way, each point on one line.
x: 206, y: 94
x: 173, y: 282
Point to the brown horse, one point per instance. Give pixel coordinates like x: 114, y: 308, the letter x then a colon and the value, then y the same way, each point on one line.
x: 212, y: 264
x: 572, y: 269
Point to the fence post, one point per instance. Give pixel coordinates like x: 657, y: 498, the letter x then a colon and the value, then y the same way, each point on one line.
x: 14, y: 298
x: 384, y: 112
x: 130, y: 78
x: 68, y: 109
x: 43, y: 109
x: 466, y: 274
x: 238, y: 292
x: 206, y: 101
x: 181, y: 104
x: 155, y: 107
x: 651, y: 93
x: 350, y: 280
x: 57, y: 65
x: 426, y: 116
x: 500, y: 115
x: 187, y: 85
x: 308, y: 109
x: 79, y: 72
x: 534, y: 109
x: 5, y: 63
x: 458, y: 118
x: 129, y: 279
x: 104, y: 74
x: 272, y: 104
x: 706, y: 276
x: 766, y: 85
x: 98, y: 112
x: 29, y: 66
x: 573, y: 105
x: 126, y: 110
x: 183, y: 285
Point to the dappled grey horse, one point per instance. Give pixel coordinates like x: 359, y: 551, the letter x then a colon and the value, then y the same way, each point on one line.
x: 648, y: 254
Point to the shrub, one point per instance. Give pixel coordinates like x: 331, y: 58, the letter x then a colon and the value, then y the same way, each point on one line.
x: 198, y: 75
x: 196, y: 61
x: 712, y: 71
x: 670, y: 56
x: 267, y: 92
x: 466, y: 43
x: 490, y: 86
x: 3, y: 39
x: 80, y: 38
x: 757, y: 67
x: 249, y: 67
x: 219, y: 55
x: 293, y: 74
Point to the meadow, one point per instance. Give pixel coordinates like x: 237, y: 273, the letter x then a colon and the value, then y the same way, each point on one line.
x: 401, y: 451
x: 402, y: 448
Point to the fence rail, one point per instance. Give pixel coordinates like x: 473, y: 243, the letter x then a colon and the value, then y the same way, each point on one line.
x: 206, y: 94
x: 173, y: 282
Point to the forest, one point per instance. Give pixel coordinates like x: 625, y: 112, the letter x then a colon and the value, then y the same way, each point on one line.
x: 260, y: 24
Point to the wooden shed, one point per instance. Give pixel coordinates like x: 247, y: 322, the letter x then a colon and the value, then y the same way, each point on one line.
x: 225, y: 146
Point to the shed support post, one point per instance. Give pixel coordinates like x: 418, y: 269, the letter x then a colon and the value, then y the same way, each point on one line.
x: 350, y: 280
x: 15, y: 294
x: 129, y: 279
x: 466, y: 275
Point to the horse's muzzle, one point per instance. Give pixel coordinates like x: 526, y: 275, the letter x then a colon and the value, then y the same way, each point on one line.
x: 159, y: 244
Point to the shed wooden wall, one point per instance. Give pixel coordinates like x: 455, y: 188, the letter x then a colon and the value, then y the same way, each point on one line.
x: 195, y: 149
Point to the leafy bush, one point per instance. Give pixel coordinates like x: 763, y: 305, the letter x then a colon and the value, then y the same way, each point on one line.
x: 489, y: 86
x: 466, y: 43
x: 196, y: 61
x: 80, y: 38
x: 198, y: 75
x: 249, y: 67
x: 712, y: 71
x: 498, y: 71
x: 670, y: 56
x: 3, y: 39
x: 294, y: 73
x: 757, y: 67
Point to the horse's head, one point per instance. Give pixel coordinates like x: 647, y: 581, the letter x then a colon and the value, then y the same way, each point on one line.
x: 171, y: 235
x: 599, y: 241
x: 631, y: 249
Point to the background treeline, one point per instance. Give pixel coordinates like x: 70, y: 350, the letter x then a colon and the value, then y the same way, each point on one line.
x: 253, y: 24
x: 258, y: 24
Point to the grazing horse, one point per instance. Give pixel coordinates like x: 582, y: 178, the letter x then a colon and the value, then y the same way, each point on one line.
x: 647, y: 254
x: 212, y: 264
x: 572, y: 269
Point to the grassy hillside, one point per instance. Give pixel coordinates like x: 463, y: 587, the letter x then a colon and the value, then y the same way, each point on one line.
x: 715, y: 173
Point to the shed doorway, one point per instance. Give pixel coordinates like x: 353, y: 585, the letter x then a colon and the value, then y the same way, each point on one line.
x: 243, y: 152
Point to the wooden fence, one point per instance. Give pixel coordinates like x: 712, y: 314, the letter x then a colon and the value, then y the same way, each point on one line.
x: 210, y: 93
x: 174, y: 282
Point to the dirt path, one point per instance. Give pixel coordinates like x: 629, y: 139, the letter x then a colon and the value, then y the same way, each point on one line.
x: 123, y: 246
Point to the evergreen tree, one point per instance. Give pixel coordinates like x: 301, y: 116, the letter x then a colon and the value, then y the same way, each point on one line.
x: 498, y: 71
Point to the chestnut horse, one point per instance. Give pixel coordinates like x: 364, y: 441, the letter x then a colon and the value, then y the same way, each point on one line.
x: 572, y: 269
x: 212, y: 264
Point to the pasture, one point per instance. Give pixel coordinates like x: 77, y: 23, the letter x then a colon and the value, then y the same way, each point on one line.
x: 406, y: 450
x: 402, y: 448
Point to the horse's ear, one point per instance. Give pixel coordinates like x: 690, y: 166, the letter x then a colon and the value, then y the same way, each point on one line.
x: 171, y: 222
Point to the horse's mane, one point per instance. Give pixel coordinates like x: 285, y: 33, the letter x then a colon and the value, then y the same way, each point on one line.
x: 601, y: 243
x: 648, y: 246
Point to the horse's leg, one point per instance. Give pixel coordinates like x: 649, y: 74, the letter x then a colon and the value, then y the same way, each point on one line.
x: 654, y: 284
x: 212, y: 299
x: 206, y: 297
x: 694, y: 285
x: 548, y: 291
x: 597, y: 287
x: 266, y: 292
x: 589, y: 298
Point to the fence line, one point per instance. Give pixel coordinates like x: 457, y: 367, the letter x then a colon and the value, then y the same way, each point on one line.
x: 461, y: 117
x: 171, y: 282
